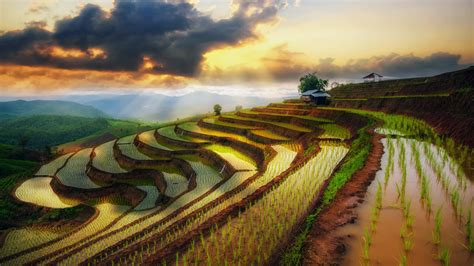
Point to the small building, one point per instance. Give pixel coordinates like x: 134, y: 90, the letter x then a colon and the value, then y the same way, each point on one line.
x: 372, y: 77
x: 318, y: 97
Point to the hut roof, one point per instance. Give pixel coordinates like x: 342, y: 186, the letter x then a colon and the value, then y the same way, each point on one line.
x: 315, y: 93
x: 372, y: 75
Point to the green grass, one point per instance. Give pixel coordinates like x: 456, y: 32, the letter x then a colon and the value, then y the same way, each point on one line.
x: 9, y: 167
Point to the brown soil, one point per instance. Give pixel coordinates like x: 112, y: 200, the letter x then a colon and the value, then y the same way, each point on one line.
x: 323, y: 246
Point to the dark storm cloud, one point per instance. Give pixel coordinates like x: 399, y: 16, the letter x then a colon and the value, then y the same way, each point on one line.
x: 172, y: 35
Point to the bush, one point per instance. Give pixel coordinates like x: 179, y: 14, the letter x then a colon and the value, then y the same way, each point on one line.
x: 217, y: 109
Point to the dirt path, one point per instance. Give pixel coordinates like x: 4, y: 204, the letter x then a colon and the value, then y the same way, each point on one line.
x: 323, y: 246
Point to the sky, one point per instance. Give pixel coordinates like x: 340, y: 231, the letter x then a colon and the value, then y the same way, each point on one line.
x: 230, y: 46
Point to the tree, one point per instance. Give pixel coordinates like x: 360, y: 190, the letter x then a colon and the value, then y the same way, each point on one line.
x: 312, y: 82
x: 238, y: 108
x: 217, y: 109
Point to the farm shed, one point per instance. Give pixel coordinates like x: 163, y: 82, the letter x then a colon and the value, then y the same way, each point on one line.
x: 318, y: 97
x: 372, y: 77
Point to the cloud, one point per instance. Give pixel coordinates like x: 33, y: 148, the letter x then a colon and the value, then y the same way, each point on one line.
x: 36, y: 24
x: 282, y: 64
x: 38, y: 8
x: 393, y: 65
x: 16, y: 80
x: 171, y: 37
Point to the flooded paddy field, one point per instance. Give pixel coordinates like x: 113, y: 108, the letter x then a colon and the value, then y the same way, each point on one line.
x: 417, y: 211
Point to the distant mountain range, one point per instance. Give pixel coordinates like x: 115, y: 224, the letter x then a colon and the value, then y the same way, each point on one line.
x: 47, y: 107
x: 161, y: 107
x: 147, y: 106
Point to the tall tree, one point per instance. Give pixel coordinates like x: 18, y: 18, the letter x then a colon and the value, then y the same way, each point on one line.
x: 312, y: 82
x: 217, y: 109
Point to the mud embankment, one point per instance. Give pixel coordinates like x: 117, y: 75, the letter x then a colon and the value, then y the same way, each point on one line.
x: 323, y: 246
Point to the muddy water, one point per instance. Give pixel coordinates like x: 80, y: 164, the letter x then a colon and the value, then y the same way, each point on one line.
x: 387, y: 246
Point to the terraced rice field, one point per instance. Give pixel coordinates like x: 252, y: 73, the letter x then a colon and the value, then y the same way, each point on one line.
x: 237, y: 159
x: 104, y: 159
x: 168, y: 132
x: 192, y: 211
x: 73, y: 174
x: 38, y: 191
x: 52, y: 167
x: 128, y: 149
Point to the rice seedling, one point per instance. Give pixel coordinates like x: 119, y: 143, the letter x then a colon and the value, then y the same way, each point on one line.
x: 237, y: 159
x: 403, y: 260
x: 334, y: 131
x: 406, y: 209
x: 444, y: 256
x: 436, y: 234
x: 108, y: 213
x: 279, y: 164
x: 258, y: 227
x: 408, y: 242
x: 469, y: 236
x: 378, y: 196
x: 425, y: 183
x: 366, y: 243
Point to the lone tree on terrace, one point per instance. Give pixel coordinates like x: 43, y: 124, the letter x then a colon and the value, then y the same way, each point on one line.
x: 312, y: 82
x: 217, y: 109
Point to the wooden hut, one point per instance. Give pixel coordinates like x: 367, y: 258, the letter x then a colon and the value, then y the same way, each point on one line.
x: 372, y: 77
x: 318, y: 97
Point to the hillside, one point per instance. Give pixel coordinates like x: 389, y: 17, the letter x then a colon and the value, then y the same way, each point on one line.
x: 443, y: 84
x: 445, y: 101
x: 48, y: 130
x: 47, y: 107
x: 16, y: 160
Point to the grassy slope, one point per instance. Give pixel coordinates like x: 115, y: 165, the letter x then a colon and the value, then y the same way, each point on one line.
x: 48, y: 130
x: 13, y: 160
